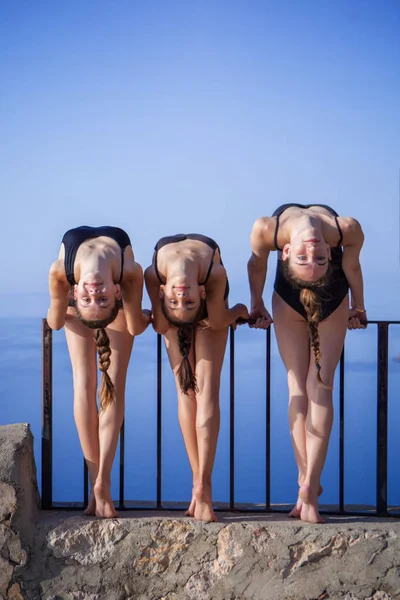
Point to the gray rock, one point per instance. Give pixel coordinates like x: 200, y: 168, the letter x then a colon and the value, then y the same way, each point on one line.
x: 8, y: 501
x: 17, y: 468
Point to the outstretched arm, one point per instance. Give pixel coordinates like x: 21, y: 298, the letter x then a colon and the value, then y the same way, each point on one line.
x: 160, y: 323
x: 353, y: 242
x: 257, y: 270
x: 59, y: 289
x: 132, y: 295
x: 219, y: 316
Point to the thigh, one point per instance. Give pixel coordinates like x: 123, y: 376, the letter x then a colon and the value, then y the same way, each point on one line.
x: 121, y: 342
x: 293, y: 341
x: 82, y: 352
x: 332, y: 332
x: 210, y: 348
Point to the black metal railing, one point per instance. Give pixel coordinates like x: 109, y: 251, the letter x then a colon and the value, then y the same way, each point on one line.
x: 381, y: 508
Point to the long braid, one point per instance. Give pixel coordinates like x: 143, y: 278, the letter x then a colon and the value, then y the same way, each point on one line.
x: 187, y: 379
x: 312, y: 305
x: 107, y: 388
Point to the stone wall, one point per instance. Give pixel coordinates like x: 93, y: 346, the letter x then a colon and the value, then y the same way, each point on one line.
x: 18, y: 505
x: 166, y: 556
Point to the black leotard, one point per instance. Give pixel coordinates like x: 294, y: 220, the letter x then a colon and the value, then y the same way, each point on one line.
x: 73, y: 238
x: 337, y: 288
x: 181, y: 237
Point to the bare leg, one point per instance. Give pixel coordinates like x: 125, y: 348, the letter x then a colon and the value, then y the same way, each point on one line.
x: 294, y: 348
x: 186, y: 407
x: 110, y: 420
x: 82, y: 351
x: 209, y: 354
x: 332, y: 333
x: 199, y: 414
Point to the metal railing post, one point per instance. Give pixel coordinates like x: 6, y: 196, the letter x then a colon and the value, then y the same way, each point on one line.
x: 47, y: 415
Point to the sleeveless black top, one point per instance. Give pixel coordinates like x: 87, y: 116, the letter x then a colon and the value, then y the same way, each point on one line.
x: 337, y: 288
x: 180, y: 237
x: 73, y: 238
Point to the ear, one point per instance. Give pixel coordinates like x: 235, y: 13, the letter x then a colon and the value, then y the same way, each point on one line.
x: 285, y: 251
x: 202, y: 292
x: 75, y: 292
x: 161, y: 291
x: 329, y: 252
x: 118, y: 291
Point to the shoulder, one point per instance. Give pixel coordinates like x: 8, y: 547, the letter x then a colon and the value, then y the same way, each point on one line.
x: 150, y: 276
x: 57, y: 270
x: 216, y: 283
x: 352, y: 231
x: 262, y: 234
x: 132, y: 272
x: 218, y: 272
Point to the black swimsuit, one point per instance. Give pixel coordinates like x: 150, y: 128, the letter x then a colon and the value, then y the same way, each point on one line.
x: 75, y: 237
x: 337, y: 288
x: 181, y: 237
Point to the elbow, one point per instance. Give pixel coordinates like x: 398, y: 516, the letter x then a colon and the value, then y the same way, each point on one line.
x: 54, y: 325
x: 161, y: 329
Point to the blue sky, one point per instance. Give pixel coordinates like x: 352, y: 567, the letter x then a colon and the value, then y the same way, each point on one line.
x: 163, y: 117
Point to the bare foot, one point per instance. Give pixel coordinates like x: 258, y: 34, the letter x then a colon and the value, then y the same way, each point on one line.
x: 295, y: 512
x: 104, y: 504
x: 203, y: 510
x: 309, y: 509
x: 90, y: 510
x: 190, y: 511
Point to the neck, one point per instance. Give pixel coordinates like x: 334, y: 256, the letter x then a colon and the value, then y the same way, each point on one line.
x: 183, y: 271
x: 306, y: 227
x: 95, y: 269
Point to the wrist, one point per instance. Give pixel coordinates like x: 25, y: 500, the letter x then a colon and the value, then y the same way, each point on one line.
x: 359, y: 309
x: 256, y: 304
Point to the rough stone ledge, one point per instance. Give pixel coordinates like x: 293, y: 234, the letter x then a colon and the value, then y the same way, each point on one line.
x: 166, y: 556
x: 61, y: 555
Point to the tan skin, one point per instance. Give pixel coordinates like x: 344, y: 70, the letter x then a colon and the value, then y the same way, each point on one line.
x: 182, y: 265
x: 97, y: 267
x: 306, y: 237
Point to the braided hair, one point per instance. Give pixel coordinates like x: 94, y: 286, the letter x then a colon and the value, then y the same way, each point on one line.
x: 311, y: 299
x: 107, y: 388
x: 186, y: 377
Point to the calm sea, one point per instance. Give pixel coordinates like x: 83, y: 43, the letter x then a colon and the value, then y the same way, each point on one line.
x: 20, y: 393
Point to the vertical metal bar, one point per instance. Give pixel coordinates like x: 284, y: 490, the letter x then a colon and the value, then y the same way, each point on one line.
x: 85, y: 484
x: 47, y: 416
x: 341, y: 433
x: 382, y: 420
x: 268, y: 422
x: 122, y: 465
x: 232, y: 420
x: 159, y: 420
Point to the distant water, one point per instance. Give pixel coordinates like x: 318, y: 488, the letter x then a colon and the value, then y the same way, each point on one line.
x: 20, y: 393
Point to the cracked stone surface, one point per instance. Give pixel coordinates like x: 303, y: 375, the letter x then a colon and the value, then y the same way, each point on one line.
x: 8, y: 503
x: 87, y: 543
x: 50, y: 555
x: 142, y: 557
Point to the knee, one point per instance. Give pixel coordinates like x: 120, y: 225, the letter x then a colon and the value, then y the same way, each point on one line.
x: 85, y: 387
x: 297, y: 385
x: 207, y: 385
x: 208, y: 419
x: 207, y: 412
x: 327, y: 376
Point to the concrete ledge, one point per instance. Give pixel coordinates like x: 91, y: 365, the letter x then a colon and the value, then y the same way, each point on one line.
x: 166, y: 557
x: 61, y: 555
